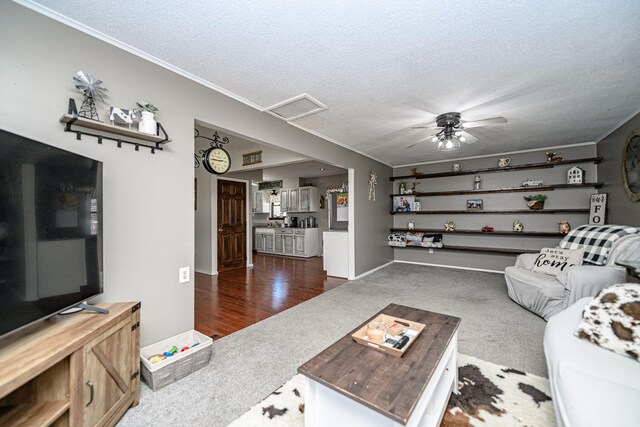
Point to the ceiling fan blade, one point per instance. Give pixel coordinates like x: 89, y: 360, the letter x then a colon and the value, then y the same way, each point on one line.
x: 485, y: 122
x: 420, y: 142
x: 429, y: 126
x: 468, y: 138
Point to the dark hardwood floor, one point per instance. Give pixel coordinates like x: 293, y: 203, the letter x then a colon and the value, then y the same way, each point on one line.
x: 235, y: 299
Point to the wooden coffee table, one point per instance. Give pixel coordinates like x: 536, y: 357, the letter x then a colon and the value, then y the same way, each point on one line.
x: 349, y: 384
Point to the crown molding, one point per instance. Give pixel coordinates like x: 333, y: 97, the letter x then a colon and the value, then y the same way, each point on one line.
x: 555, y: 147
x: 618, y: 126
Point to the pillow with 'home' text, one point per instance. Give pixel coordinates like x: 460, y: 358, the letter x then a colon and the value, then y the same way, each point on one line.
x: 554, y: 261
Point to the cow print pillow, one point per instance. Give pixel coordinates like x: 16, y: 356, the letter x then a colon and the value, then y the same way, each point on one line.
x: 612, y: 320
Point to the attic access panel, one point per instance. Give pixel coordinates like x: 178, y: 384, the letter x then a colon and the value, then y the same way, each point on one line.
x: 297, y: 107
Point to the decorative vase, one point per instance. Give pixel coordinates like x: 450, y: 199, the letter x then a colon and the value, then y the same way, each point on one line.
x: 148, y: 123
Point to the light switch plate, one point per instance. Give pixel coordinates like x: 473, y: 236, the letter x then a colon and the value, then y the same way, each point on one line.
x: 184, y: 275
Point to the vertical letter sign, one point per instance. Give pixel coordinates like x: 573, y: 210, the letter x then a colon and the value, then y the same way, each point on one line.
x: 598, y: 209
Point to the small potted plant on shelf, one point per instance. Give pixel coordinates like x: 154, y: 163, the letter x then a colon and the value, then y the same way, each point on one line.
x: 148, y: 123
x: 535, y: 202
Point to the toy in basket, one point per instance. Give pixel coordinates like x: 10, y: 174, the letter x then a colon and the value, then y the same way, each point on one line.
x: 162, y: 363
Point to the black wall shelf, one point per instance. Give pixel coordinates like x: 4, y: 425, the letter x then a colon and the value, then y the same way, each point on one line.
x: 152, y: 142
x: 501, y: 212
x: 484, y: 233
x: 499, y: 251
x: 504, y: 190
x: 527, y: 166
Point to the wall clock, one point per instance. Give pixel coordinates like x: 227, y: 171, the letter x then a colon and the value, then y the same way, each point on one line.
x: 216, y: 160
x: 631, y: 165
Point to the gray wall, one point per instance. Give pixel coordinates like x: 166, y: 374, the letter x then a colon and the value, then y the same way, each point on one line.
x: 572, y: 198
x: 621, y: 209
x: 204, y: 259
x: 148, y: 199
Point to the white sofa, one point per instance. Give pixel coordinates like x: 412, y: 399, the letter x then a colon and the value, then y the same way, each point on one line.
x: 548, y: 295
x: 590, y: 386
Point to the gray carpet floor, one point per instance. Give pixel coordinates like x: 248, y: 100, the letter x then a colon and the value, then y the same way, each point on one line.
x: 247, y: 365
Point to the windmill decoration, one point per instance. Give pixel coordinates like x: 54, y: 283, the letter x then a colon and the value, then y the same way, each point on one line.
x: 92, y: 90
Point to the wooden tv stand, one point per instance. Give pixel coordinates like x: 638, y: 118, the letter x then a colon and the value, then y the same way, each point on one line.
x: 81, y: 369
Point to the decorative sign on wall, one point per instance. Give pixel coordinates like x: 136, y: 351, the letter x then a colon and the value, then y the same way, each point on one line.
x: 252, y: 158
x: 269, y: 185
x: 597, y: 213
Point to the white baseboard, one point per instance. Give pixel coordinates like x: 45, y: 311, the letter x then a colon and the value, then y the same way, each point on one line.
x: 366, y: 273
x: 455, y: 267
x: 208, y: 273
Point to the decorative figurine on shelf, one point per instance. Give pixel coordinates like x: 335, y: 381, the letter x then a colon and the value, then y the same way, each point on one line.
x: 92, y: 90
x: 518, y: 227
x: 411, y: 225
x: 503, y: 162
x: 450, y: 226
x: 552, y: 158
x: 564, y: 227
x: 575, y: 175
x: 414, y: 172
x: 532, y: 183
x: 457, y: 167
x: 413, y: 188
x: 477, y: 182
x: 373, y: 181
x: 402, y: 189
x: 121, y: 116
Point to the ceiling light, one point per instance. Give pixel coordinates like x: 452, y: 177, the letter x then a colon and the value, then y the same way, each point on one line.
x: 434, y: 139
x: 462, y: 139
x: 322, y: 169
x: 449, y: 144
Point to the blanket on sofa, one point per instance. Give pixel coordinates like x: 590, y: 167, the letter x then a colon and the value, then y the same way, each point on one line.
x: 596, y: 240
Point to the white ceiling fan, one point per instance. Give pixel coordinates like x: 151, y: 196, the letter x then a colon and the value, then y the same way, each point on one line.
x: 450, y: 130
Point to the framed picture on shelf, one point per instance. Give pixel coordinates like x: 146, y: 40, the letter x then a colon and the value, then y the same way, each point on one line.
x: 474, y: 205
x: 416, y: 206
x: 403, y: 203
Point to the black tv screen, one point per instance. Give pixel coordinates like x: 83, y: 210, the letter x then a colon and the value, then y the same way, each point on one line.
x: 50, y: 230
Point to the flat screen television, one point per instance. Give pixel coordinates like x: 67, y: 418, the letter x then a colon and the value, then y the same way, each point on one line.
x: 50, y: 230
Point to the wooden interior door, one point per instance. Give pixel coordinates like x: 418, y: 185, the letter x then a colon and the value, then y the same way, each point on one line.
x: 108, y: 374
x: 232, y: 227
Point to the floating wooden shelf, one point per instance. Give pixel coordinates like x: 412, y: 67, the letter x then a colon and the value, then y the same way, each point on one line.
x: 485, y: 233
x: 500, y: 251
x: 505, y: 190
x: 33, y: 414
x: 108, y: 127
x: 485, y: 212
x: 543, y: 165
x: 134, y: 137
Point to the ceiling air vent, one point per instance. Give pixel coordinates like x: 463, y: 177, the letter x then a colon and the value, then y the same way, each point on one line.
x: 296, y: 107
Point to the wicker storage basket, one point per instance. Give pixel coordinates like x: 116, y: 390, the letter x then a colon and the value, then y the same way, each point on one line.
x: 160, y: 374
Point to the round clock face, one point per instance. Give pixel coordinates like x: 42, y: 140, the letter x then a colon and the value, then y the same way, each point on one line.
x: 217, y: 160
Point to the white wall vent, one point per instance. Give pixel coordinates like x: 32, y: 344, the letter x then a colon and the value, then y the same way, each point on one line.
x: 296, y: 107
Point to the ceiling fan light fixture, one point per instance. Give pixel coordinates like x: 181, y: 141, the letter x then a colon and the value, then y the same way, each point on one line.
x: 434, y: 139
x: 462, y: 139
x: 449, y: 144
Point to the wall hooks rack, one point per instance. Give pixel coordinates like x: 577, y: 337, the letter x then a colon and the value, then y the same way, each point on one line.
x: 133, y: 137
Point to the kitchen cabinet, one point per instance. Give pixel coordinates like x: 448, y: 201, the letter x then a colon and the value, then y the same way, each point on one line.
x: 284, y: 200
x: 300, y: 242
x: 302, y: 199
x: 294, y: 200
x: 308, y: 199
x: 261, y: 202
x: 269, y: 239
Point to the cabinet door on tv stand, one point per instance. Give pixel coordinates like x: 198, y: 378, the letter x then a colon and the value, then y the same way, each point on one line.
x: 110, y: 382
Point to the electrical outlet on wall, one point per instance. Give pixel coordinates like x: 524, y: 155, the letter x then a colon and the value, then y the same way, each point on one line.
x: 184, y: 275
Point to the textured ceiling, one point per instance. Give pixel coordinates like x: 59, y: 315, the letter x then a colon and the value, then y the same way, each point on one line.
x: 561, y: 72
